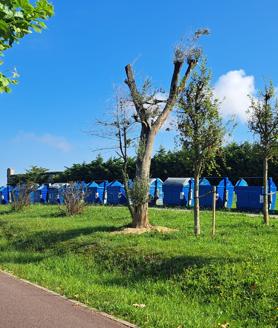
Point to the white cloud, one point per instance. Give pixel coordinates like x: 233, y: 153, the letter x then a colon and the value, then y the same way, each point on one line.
x: 51, y: 140
x: 232, y: 89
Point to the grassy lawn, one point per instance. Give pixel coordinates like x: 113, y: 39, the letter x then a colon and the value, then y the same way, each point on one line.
x: 183, y: 281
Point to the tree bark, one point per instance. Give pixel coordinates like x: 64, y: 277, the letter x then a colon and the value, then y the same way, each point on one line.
x: 140, y: 217
x: 265, y: 196
x: 143, y: 164
x: 197, y: 228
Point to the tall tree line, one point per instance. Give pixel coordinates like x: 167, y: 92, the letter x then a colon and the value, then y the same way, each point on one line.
x: 234, y: 160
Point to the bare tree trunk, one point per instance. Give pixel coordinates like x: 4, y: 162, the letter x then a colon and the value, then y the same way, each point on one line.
x: 140, y: 216
x: 142, y: 177
x: 197, y: 228
x: 265, y: 208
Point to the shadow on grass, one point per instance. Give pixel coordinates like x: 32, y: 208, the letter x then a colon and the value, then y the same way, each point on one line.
x: 7, y: 212
x: 46, y: 240
x: 31, y: 214
x: 163, y: 268
x: 136, y: 263
x: 58, y: 214
x: 7, y: 258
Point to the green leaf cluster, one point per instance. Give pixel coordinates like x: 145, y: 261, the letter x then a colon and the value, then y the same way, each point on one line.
x: 17, y: 19
x: 263, y: 120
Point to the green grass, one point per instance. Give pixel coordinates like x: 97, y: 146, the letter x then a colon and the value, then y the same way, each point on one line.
x: 183, y: 281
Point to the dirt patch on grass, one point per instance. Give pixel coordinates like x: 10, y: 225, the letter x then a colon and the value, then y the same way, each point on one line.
x: 139, y: 231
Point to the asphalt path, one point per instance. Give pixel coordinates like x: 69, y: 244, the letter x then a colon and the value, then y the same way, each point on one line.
x: 23, y: 305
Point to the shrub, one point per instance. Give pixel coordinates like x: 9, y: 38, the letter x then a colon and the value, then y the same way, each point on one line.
x: 74, y: 199
x: 21, y: 196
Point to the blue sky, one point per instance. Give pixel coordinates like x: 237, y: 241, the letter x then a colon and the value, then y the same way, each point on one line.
x: 67, y: 73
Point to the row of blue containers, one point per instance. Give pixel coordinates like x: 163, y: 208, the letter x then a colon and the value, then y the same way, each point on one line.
x: 112, y: 193
x: 179, y: 192
x: 173, y: 192
x: 7, y: 194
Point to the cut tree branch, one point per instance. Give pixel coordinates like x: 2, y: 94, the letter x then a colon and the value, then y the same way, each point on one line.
x: 130, y: 81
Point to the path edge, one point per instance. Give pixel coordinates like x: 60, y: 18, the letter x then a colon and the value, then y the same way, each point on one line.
x: 104, y: 314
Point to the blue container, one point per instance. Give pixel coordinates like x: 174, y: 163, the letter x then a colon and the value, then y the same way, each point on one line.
x: 56, y: 193
x: 92, y: 195
x: 116, y: 193
x: 95, y: 193
x: 273, y: 195
x: 41, y: 194
x: 5, y: 194
x: 156, y: 192
x: 241, y: 183
x: 80, y: 185
x: 251, y: 198
x: 32, y: 197
x: 35, y: 194
x: 178, y: 192
x: 205, y: 195
x: 104, y: 185
x: 53, y: 192
x: 224, y: 190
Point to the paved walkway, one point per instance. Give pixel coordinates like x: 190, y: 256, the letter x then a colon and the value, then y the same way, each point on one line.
x: 23, y: 305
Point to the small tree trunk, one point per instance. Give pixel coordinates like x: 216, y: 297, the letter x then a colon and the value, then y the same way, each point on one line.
x: 197, y: 229
x: 213, y: 211
x: 265, y: 208
x: 140, y: 216
x: 127, y: 192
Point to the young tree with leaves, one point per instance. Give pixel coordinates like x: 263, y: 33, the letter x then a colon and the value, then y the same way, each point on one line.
x: 151, y: 112
x: 17, y: 19
x: 201, y: 129
x: 263, y: 122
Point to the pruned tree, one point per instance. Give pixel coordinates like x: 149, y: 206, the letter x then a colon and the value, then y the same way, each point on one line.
x: 18, y: 18
x: 151, y: 113
x: 263, y: 122
x: 200, y: 128
x: 138, y: 117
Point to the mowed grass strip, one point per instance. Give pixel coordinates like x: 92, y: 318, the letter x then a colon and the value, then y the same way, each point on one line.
x: 183, y: 281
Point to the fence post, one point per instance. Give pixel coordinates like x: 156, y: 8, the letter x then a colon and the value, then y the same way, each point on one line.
x: 213, y: 210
